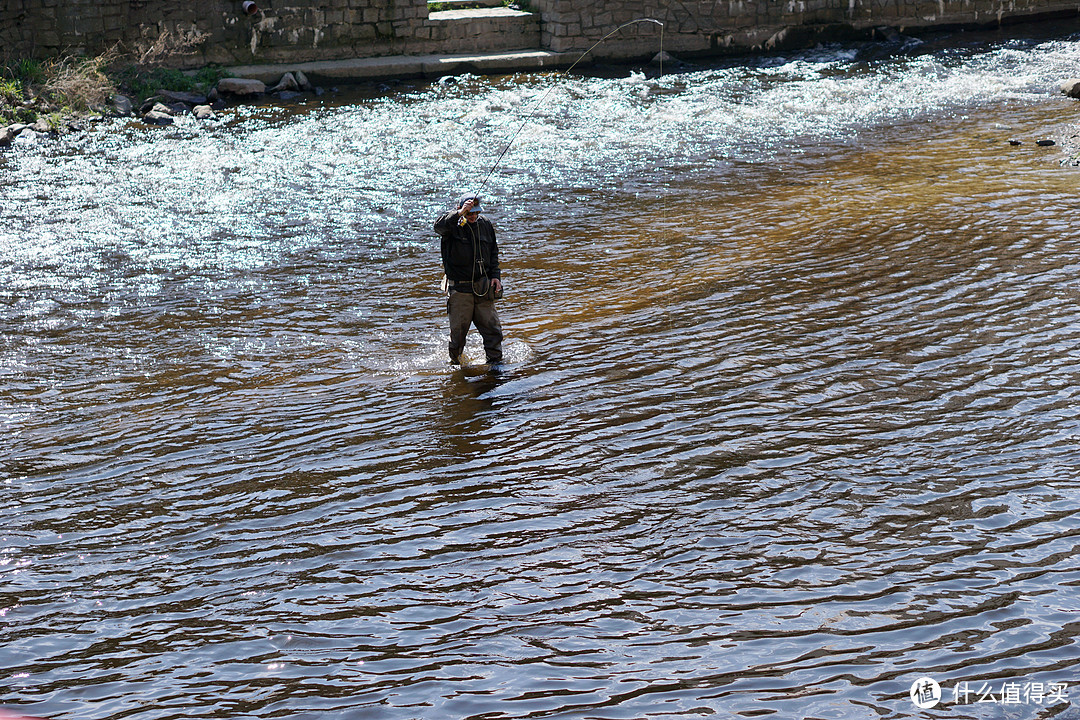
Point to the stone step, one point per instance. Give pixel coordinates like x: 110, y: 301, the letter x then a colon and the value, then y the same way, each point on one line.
x: 410, y: 66
x: 489, y: 28
x: 469, y: 4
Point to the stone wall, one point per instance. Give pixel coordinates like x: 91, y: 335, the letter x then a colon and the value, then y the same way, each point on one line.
x: 197, y: 32
x: 482, y: 30
x: 706, y: 27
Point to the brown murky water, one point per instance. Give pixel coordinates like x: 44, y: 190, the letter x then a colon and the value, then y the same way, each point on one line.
x: 788, y: 423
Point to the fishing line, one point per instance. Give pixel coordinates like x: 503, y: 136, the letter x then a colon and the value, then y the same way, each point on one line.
x: 567, y: 72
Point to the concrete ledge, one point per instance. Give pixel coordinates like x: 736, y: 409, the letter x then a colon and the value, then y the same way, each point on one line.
x: 477, y: 14
x: 465, y: 4
x: 411, y: 66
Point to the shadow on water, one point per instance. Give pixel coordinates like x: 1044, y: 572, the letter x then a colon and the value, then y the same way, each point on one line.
x: 468, y: 407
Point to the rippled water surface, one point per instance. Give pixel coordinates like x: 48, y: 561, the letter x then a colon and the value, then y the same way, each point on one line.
x: 789, y: 420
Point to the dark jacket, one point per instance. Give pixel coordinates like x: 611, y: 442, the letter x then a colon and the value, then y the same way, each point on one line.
x: 469, y: 251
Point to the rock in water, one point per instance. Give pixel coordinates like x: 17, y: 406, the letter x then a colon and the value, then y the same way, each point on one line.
x: 241, y: 86
x: 122, y: 105
x: 288, y: 83
x: 187, y: 98
x: 1071, y: 87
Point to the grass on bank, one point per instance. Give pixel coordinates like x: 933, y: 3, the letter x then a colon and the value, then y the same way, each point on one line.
x: 73, y: 86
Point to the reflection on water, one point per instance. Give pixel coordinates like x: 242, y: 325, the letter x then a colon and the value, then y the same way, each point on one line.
x: 788, y: 422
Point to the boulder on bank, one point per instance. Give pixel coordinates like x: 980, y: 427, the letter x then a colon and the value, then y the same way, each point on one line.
x: 288, y: 82
x: 241, y: 86
x: 122, y: 106
x: 187, y: 98
x: 6, y: 136
x: 1071, y: 87
x: 158, y: 115
x: 42, y: 126
x: 203, y: 112
x: 157, y: 118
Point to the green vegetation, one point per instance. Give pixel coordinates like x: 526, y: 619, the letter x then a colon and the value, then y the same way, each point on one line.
x: 142, y: 83
x: 53, y: 89
x: 70, y: 87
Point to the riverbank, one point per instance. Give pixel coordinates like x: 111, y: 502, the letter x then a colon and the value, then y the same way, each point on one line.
x: 42, y: 109
x: 205, y: 92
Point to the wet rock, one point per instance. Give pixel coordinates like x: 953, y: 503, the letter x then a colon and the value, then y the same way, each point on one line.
x: 6, y: 136
x: 667, y: 61
x: 1014, y: 141
x: 203, y: 112
x: 156, y: 117
x: 41, y: 125
x: 287, y: 83
x: 888, y: 34
x: 122, y: 106
x: 29, y: 137
x: 1071, y: 87
x: 241, y: 86
x: 1045, y: 143
x: 287, y: 95
x: 187, y: 98
x: 303, y: 82
x: 149, y: 104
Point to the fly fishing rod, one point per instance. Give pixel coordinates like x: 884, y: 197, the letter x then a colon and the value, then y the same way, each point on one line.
x: 567, y: 72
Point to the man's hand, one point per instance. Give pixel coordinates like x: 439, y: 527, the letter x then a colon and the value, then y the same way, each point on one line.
x: 496, y: 283
x: 464, y: 209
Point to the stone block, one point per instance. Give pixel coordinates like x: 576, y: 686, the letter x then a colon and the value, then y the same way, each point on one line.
x: 92, y: 26
x: 241, y: 86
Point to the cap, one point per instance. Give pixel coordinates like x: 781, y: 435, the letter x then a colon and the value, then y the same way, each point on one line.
x: 476, y: 202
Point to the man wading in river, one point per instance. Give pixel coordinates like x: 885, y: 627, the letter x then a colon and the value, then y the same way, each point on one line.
x: 470, y: 258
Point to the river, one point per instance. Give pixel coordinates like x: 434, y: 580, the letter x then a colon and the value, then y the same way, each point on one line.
x: 788, y: 421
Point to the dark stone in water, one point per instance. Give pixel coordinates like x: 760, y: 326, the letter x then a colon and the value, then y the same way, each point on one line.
x: 187, y: 98
x: 156, y: 117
